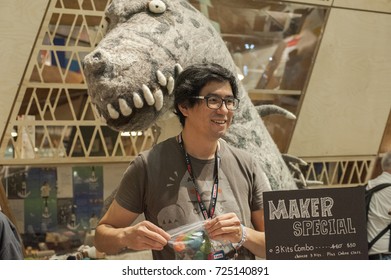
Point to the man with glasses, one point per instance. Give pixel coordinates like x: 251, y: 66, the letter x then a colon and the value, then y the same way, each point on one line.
x: 193, y: 177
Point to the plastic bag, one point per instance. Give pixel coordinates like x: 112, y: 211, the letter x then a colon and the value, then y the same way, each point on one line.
x: 191, y: 242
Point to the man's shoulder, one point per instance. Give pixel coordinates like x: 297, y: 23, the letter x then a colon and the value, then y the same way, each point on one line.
x: 383, y: 178
x: 232, y: 152
x: 161, y: 146
x: 162, y: 150
x: 226, y: 147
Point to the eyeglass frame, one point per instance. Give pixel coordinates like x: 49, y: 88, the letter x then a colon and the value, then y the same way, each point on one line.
x: 222, y: 100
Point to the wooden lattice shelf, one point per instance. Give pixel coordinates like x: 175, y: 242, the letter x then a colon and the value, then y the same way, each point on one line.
x: 53, y: 118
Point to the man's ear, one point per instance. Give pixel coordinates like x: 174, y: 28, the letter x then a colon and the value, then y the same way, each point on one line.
x: 184, y: 109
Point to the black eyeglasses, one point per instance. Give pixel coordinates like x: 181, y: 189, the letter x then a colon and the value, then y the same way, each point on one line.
x: 215, y: 102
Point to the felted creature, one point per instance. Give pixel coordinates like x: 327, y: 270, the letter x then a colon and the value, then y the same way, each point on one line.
x: 131, y: 75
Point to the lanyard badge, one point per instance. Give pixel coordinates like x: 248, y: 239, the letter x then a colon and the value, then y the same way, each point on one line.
x: 215, y: 187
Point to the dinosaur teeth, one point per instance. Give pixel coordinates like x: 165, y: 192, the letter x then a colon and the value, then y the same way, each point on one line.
x: 148, y: 95
x: 124, y: 107
x: 170, y: 85
x: 158, y: 100
x: 178, y: 68
x: 161, y: 78
x: 138, y: 102
x: 112, y: 112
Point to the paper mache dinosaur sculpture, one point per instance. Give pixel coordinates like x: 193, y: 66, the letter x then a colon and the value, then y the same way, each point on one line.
x: 131, y: 75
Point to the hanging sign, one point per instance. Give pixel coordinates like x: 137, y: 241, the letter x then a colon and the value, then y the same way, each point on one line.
x: 316, y: 224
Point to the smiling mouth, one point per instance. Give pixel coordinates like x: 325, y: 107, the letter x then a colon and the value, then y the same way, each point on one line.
x: 220, y: 122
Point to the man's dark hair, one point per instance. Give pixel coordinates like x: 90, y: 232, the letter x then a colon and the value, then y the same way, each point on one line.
x: 191, y: 81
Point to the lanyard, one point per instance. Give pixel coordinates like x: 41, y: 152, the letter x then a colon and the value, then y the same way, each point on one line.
x: 215, y: 187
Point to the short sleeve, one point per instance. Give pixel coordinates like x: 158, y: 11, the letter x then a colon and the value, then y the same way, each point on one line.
x: 260, y: 184
x: 131, y: 191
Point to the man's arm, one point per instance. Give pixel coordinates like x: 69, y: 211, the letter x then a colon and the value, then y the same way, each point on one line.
x: 256, y: 237
x: 10, y: 243
x: 115, y: 232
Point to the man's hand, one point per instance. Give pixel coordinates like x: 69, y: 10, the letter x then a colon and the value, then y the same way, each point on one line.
x: 226, y: 227
x: 144, y: 236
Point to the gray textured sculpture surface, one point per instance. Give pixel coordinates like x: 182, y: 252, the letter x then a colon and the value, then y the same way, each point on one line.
x: 131, y: 74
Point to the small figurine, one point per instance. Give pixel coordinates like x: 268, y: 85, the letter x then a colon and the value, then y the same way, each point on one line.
x: 72, y: 225
x: 24, y: 193
x: 45, y: 193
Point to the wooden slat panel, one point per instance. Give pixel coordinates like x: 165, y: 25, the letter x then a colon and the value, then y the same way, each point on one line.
x: 347, y: 102
x: 370, y: 5
x: 19, y: 23
x: 315, y: 2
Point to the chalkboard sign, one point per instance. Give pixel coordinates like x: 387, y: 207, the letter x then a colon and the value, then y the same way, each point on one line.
x: 316, y: 224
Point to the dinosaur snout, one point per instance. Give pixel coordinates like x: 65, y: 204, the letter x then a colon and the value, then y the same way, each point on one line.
x: 97, y: 63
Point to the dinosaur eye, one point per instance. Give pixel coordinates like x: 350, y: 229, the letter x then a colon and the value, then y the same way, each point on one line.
x: 157, y: 6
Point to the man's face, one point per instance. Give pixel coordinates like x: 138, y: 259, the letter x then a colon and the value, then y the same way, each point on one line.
x: 206, y: 122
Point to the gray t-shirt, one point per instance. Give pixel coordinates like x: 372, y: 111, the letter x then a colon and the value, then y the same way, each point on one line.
x: 157, y: 184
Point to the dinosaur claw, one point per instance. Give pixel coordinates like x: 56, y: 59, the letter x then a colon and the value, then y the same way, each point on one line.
x: 267, y: 109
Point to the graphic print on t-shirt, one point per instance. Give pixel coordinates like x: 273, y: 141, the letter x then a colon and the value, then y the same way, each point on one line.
x: 186, y: 210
